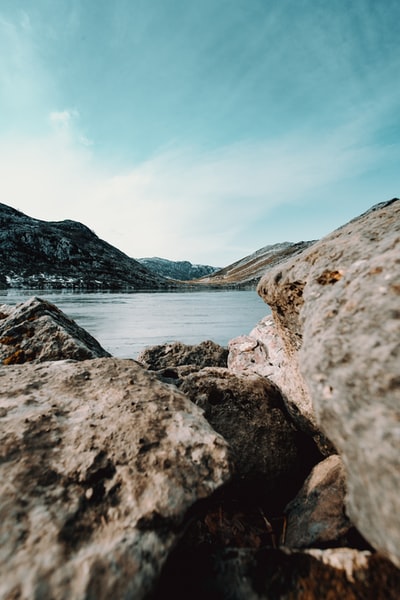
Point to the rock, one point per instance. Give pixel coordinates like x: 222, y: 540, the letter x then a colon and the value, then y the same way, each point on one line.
x: 249, y: 413
x: 262, y: 352
x: 316, y: 517
x: 175, y: 354
x: 336, y: 308
x: 37, y: 330
x: 278, y: 574
x: 249, y: 355
x: 100, y: 463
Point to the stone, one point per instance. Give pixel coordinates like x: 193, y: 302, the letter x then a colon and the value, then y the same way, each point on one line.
x: 262, y: 352
x: 316, y: 517
x: 248, y: 411
x: 336, y: 309
x: 36, y: 331
x: 284, y: 574
x: 100, y: 463
x: 175, y: 354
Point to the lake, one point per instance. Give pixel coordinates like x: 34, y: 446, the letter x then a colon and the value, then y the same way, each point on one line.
x: 124, y: 324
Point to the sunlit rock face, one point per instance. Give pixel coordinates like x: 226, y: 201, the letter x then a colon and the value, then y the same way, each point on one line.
x: 100, y: 463
x: 336, y: 309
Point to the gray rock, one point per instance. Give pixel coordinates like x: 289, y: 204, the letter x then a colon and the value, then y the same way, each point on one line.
x: 37, y: 330
x: 248, y: 411
x: 336, y: 308
x: 175, y: 354
x: 316, y: 517
x: 99, y: 464
x: 262, y: 352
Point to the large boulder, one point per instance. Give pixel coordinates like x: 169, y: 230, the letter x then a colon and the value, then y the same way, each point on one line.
x: 248, y: 411
x: 37, y: 330
x: 336, y: 309
x: 99, y: 465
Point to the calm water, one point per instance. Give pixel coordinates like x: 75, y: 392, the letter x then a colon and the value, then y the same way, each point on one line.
x: 124, y: 324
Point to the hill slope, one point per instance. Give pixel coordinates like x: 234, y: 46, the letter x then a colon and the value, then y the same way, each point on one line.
x: 247, y: 271
x: 39, y: 254
x: 182, y: 269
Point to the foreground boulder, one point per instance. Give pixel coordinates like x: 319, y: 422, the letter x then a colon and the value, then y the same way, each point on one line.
x: 336, y: 309
x: 278, y: 574
x: 100, y: 463
x: 37, y: 330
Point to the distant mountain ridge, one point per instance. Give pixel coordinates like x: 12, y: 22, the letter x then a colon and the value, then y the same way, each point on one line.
x: 66, y: 254
x: 36, y: 254
x: 246, y: 272
x: 182, y: 269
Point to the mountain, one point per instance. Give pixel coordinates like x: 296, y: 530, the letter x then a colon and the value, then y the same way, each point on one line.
x: 246, y: 272
x: 182, y: 270
x: 40, y: 254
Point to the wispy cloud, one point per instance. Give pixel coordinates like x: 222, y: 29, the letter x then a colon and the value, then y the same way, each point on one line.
x: 268, y: 108
x: 182, y: 203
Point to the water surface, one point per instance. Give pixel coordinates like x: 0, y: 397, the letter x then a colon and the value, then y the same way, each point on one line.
x: 124, y: 324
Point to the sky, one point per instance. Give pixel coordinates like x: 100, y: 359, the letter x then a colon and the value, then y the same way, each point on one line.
x: 199, y: 131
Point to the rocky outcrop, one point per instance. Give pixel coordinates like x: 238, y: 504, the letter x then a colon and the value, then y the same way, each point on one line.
x: 37, y: 254
x: 99, y: 464
x: 181, y: 269
x: 117, y: 485
x: 37, y: 330
x: 176, y: 354
x: 336, y: 310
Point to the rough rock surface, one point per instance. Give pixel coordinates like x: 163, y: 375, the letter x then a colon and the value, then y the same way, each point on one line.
x: 316, y: 517
x: 99, y: 464
x: 249, y: 413
x: 336, y: 308
x: 175, y: 354
x: 262, y: 352
x: 37, y: 330
x: 279, y: 574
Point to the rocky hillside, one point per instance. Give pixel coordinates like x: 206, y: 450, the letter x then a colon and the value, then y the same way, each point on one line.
x: 39, y: 254
x: 246, y: 272
x: 182, y: 270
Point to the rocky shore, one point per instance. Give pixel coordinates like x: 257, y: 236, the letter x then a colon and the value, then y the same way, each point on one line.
x: 268, y: 470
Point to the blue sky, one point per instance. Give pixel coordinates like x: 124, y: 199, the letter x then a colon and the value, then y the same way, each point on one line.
x: 199, y: 130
